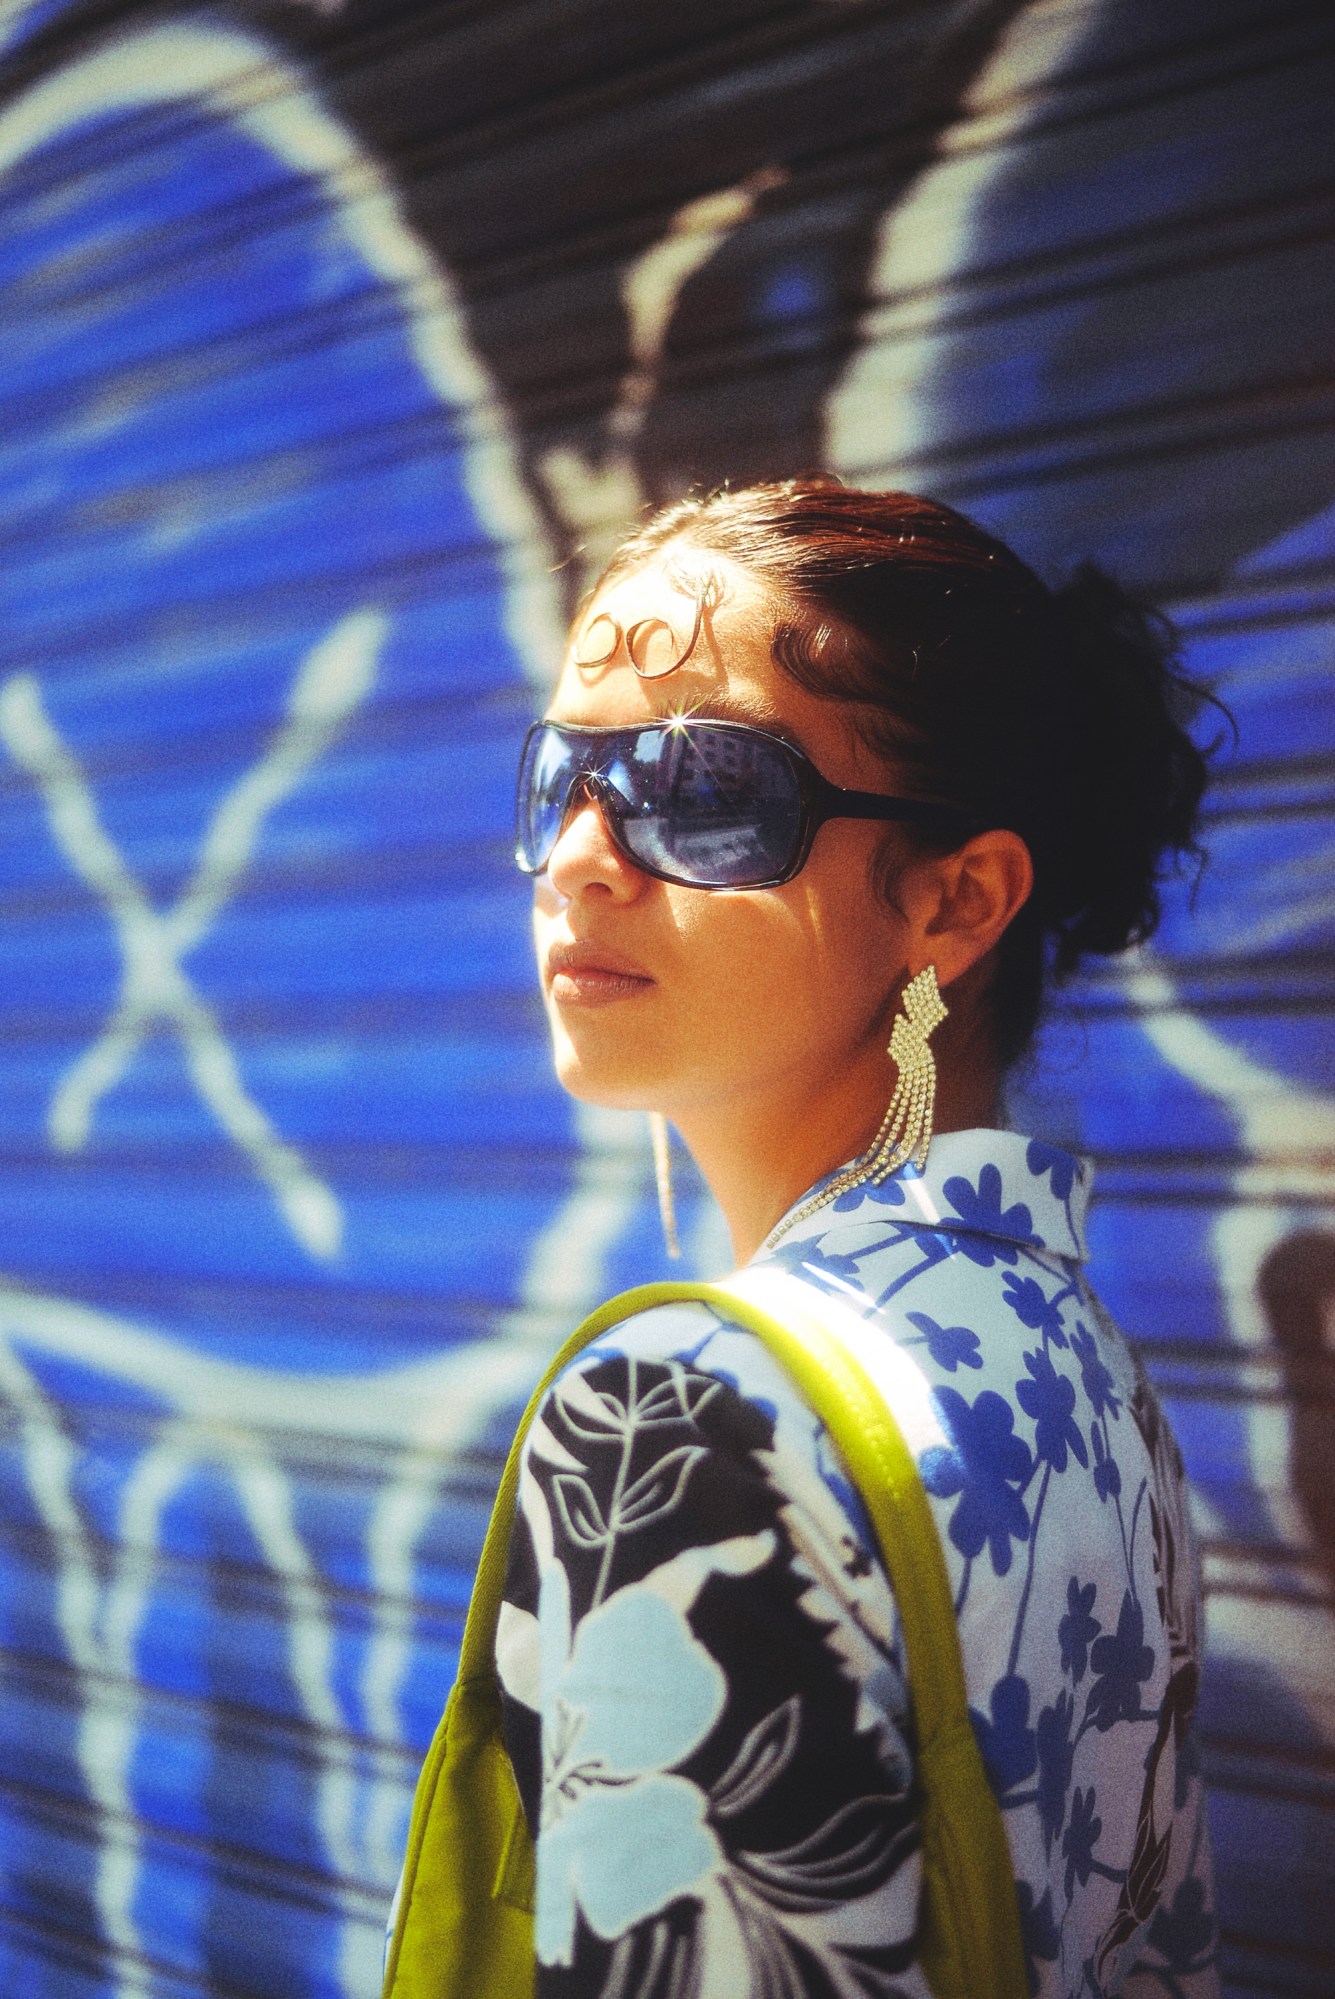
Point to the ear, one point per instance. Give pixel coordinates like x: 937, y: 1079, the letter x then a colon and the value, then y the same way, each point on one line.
x: 961, y: 903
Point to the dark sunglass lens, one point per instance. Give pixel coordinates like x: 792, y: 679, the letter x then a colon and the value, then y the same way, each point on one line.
x: 723, y: 809
x: 545, y: 776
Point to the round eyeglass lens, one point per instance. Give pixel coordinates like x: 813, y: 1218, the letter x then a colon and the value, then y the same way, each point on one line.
x: 722, y: 808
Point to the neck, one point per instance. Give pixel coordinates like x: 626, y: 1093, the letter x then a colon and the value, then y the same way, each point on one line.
x: 758, y: 1158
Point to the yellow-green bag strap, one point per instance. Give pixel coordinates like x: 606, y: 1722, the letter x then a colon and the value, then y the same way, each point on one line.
x: 970, y: 1944
x: 970, y: 1934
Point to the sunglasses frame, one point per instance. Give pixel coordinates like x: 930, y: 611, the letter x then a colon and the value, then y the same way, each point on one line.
x: 818, y: 800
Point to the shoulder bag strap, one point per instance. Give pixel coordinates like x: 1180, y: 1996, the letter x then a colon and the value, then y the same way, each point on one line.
x: 971, y: 1946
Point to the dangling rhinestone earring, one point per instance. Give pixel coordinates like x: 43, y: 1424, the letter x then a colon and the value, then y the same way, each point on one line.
x: 906, y: 1128
x: 667, y: 1207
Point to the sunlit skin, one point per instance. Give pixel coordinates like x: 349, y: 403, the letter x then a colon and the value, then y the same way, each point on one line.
x: 757, y: 1020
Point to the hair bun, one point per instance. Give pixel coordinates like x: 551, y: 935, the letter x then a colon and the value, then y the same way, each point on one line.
x: 1131, y: 777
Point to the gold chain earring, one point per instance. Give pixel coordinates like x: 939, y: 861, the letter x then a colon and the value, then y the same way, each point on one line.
x: 667, y: 1207
x: 906, y: 1128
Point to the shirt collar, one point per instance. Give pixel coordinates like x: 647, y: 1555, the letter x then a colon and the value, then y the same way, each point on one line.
x: 985, y: 1183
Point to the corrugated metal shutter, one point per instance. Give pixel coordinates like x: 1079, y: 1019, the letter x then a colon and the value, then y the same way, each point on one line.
x: 325, y: 333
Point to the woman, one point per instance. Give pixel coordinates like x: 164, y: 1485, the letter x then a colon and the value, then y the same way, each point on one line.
x: 705, y: 1702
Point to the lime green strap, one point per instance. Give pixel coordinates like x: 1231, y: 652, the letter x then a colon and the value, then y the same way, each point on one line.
x: 970, y: 1945
x: 875, y: 1452
x: 873, y: 1447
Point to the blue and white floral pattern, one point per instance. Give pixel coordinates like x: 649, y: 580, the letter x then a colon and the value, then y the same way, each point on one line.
x: 699, y: 1650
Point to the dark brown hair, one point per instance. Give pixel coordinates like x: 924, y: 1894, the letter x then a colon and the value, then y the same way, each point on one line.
x: 1059, y: 713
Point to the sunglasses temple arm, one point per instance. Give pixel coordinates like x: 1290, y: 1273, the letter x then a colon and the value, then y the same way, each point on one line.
x: 833, y: 803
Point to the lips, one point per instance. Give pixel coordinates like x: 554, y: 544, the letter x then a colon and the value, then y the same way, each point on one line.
x: 591, y: 974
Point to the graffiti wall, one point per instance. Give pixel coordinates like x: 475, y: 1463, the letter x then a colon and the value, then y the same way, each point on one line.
x: 336, y: 341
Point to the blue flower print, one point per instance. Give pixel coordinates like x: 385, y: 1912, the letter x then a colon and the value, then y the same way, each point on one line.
x: 1082, y: 1836
x: 1041, y: 1159
x: 620, y: 1837
x: 1033, y: 1481
x: 1056, y: 1757
x: 989, y: 1466
x: 1107, y: 1471
x: 1032, y: 1306
x: 811, y: 1258
x: 1038, y: 1930
x: 1185, y: 1933
x: 1123, y: 1663
x: 1098, y: 1383
x: 886, y: 1194
x: 1007, y: 1741
x: 979, y: 1209
x: 1078, y: 1629
x: 949, y: 1346
x: 1050, y: 1399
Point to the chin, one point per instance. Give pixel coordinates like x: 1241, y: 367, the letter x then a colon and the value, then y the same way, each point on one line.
x: 608, y: 1096
x: 607, y: 1085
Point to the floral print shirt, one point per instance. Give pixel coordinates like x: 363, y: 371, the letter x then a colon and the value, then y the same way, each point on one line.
x: 704, y: 1690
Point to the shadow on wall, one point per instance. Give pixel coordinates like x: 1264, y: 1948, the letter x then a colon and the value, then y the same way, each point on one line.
x: 1297, y: 1289
x: 1263, y: 1720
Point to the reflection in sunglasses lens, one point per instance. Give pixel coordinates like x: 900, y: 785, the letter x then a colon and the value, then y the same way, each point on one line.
x: 713, y: 806
x: 724, y: 810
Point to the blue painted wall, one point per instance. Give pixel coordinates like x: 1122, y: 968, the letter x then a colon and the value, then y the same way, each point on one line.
x: 334, y: 343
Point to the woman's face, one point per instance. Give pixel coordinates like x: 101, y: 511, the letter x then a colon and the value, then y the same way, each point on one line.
x: 694, y: 1001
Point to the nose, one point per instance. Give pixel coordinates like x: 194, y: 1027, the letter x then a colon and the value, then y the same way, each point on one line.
x: 586, y: 859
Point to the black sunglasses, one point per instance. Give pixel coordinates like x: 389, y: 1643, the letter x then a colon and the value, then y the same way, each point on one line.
x: 704, y: 804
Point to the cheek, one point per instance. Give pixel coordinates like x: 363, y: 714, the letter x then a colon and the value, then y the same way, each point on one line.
x: 784, y: 972
x: 844, y: 958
